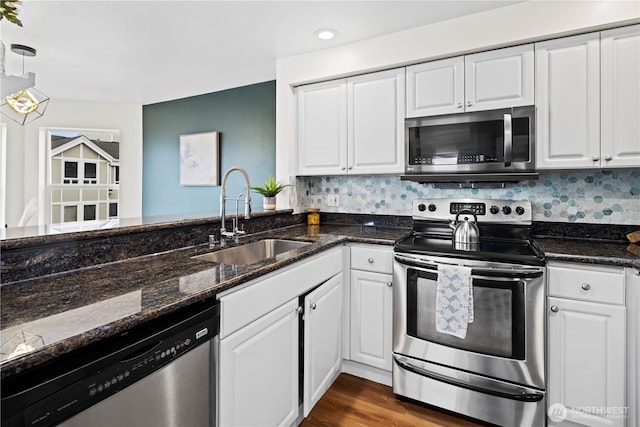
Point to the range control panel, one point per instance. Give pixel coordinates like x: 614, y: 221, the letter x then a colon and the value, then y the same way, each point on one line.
x: 485, y: 210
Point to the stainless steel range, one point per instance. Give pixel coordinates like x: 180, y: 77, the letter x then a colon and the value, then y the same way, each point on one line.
x: 468, y: 321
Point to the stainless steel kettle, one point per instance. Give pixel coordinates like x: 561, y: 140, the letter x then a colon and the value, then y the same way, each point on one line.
x: 466, y: 232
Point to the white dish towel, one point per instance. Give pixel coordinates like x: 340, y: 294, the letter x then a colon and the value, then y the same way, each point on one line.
x: 454, y: 300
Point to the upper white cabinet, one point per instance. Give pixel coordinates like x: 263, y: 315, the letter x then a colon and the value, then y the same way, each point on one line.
x: 435, y: 87
x: 322, y: 128
x: 489, y: 80
x: 588, y: 100
x: 620, y: 93
x: 352, y: 126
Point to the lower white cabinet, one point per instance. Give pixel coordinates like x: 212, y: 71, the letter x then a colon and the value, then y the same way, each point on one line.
x: 586, y: 346
x: 371, y: 304
x: 322, y: 340
x: 258, y: 374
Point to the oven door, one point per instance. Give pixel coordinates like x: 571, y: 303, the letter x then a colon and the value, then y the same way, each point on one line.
x: 505, y: 340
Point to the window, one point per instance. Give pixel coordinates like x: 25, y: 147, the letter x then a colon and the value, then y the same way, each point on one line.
x: 90, y: 173
x: 89, y: 212
x: 70, y: 213
x: 70, y: 173
x: 82, y: 175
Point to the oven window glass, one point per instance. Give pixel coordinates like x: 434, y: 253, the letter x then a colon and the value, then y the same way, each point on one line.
x: 498, y: 328
x: 467, y: 143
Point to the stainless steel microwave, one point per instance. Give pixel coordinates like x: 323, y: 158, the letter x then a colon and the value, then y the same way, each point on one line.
x: 484, y: 144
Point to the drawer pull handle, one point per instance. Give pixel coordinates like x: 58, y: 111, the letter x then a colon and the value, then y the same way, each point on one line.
x: 554, y: 308
x: 370, y: 260
x: 586, y: 286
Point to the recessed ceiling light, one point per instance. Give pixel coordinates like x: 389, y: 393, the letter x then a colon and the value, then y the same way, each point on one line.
x: 326, y: 34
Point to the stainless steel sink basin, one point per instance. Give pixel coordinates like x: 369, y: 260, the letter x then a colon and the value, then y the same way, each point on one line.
x: 253, y: 252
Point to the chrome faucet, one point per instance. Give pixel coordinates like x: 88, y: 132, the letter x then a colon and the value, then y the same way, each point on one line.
x: 223, y: 198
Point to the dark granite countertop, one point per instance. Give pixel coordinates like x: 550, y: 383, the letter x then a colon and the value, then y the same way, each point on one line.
x: 73, y: 309
x: 588, y: 251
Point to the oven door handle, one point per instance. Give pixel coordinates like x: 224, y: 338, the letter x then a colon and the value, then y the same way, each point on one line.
x: 489, y: 273
x: 482, y: 384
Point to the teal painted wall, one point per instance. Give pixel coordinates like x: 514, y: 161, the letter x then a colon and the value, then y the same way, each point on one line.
x: 246, y: 120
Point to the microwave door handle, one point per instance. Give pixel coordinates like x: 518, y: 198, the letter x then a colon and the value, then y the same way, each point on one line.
x: 508, y: 140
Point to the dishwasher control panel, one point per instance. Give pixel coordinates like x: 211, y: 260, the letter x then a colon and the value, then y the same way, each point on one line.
x: 117, y: 370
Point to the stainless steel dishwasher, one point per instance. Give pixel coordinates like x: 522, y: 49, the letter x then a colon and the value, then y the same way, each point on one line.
x: 159, y: 374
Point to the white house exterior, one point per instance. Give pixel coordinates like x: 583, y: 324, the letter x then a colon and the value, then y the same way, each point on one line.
x: 84, y: 179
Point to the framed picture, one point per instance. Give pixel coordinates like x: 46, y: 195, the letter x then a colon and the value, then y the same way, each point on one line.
x: 199, y: 159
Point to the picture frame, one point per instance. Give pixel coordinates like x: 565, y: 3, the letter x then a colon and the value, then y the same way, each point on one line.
x: 200, y: 159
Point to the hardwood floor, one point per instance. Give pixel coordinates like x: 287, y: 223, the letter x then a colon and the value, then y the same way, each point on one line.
x: 353, y: 401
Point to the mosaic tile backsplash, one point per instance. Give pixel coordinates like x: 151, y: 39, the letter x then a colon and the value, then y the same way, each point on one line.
x: 598, y: 196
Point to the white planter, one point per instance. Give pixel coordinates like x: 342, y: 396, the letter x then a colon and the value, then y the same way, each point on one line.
x: 269, y: 204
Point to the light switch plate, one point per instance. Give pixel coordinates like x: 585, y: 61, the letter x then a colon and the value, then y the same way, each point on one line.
x: 333, y: 200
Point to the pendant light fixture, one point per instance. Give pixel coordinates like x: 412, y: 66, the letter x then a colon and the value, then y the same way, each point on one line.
x: 21, y: 101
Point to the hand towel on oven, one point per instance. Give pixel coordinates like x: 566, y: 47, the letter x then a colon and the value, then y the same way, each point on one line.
x: 454, y: 300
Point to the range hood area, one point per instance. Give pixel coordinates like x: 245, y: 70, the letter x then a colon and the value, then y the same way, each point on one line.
x: 472, y: 180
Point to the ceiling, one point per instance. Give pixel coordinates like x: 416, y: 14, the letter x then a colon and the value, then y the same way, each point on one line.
x: 145, y: 52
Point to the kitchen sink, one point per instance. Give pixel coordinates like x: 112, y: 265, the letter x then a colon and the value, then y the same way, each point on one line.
x: 253, y: 252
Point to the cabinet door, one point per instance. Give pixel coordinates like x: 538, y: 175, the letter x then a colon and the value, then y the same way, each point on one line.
x: 322, y: 340
x: 568, y: 102
x: 435, y: 87
x: 499, y: 78
x: 322, y: 128
x: 376, y: 123
x: 586, y: 361
x: 371, y: 321
x: 620, y: 67
x: 258, y: 371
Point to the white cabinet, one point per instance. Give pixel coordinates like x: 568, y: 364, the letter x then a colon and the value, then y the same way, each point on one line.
x: 588, y: 100
x: 322, y: 340
x: 259, y: 341
x: 352, y: 126
x: 322, y: 128
x: 586, y: 345
x: 489, y: 80
x: 371, y: 305
x: 620, y: 97
x: 258, y: 375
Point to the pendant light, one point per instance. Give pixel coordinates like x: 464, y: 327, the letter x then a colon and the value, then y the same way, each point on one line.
x: 27, y: 103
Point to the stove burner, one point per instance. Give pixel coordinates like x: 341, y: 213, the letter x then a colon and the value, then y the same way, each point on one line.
x: 502, y: 239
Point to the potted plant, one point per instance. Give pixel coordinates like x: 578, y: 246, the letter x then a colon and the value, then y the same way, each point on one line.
x: 270, y: 190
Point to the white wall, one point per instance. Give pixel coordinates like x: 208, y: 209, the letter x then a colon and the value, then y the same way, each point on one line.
x: 22, y: 151
x: 519, y: 23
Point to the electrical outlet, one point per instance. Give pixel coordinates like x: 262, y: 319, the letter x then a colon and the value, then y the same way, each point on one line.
x: 333, y: 200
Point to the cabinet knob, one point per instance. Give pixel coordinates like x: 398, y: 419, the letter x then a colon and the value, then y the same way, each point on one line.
x: 343, y: 168
x: 469, y: 104
x: 555, y: 308
x: 389, y: 284
x: 313, y: 306
x: 459, y: 105
x: 370, y: 260
x: 595, y: 158
x: 350, y: 167
x: 608, y: 158
x: 586, y: 286
x: 299, y: 310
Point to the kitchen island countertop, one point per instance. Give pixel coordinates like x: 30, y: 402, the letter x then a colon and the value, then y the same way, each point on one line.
x: 59, y: 313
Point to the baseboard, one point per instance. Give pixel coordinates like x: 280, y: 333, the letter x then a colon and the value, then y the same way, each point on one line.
x: 367, y: 372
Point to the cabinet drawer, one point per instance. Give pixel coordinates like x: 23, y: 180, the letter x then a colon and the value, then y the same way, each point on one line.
x: 585, y: 282
x: 371, y: 258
